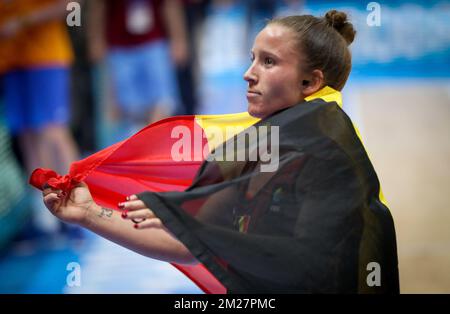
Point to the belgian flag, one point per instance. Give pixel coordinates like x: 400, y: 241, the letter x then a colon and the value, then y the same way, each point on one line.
x: 316, y: 222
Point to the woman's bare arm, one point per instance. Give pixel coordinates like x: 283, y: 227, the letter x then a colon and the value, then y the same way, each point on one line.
x: 80, y: 208
x: 154, y: 242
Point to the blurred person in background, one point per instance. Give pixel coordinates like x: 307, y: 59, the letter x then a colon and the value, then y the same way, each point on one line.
x: 35, y: 59
x: 194, y: 13
x: 142, y: 40
x: 83, y: 118
x: 223, y: 57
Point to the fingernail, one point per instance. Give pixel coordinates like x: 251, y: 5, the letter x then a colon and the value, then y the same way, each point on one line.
x: 136, y: 226
x: 128, y: 198
x: 121, y: 205
x: 124, y: 215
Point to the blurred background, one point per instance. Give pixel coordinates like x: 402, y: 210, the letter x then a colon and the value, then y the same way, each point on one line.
x: 72, y: 84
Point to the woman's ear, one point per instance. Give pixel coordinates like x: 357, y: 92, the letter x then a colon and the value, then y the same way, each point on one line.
x: 313, y: 84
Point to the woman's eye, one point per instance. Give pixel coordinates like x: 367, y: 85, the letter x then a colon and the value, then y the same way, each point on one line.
x: 269, y: 61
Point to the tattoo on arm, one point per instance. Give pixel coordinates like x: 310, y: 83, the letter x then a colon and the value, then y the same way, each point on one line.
x: 105, y: 212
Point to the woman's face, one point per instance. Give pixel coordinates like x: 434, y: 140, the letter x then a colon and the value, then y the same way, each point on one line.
x: 274, y: 77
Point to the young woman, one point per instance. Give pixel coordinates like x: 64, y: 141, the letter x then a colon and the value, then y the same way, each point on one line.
x: 314, y: 225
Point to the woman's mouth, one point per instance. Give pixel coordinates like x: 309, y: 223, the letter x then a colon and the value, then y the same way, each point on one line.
x: 253, y: 93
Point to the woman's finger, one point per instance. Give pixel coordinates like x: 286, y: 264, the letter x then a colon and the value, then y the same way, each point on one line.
x: 51, y: 199
x: 149, y: 223
x: 138, y: 214
x: 132, y: 205
x: 49, y: 190
x: 132, y: 197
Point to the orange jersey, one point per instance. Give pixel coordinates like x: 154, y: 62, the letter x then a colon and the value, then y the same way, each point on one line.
x: 42, y: 44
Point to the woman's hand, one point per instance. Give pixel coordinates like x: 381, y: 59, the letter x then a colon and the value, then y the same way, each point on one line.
x: 72, y: 208
x: 135, y: 210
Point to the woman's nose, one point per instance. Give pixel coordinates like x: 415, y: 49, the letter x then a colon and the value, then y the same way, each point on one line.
x: 250, y: 75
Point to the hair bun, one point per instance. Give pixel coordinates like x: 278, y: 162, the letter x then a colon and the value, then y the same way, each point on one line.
x: 338, y: 20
